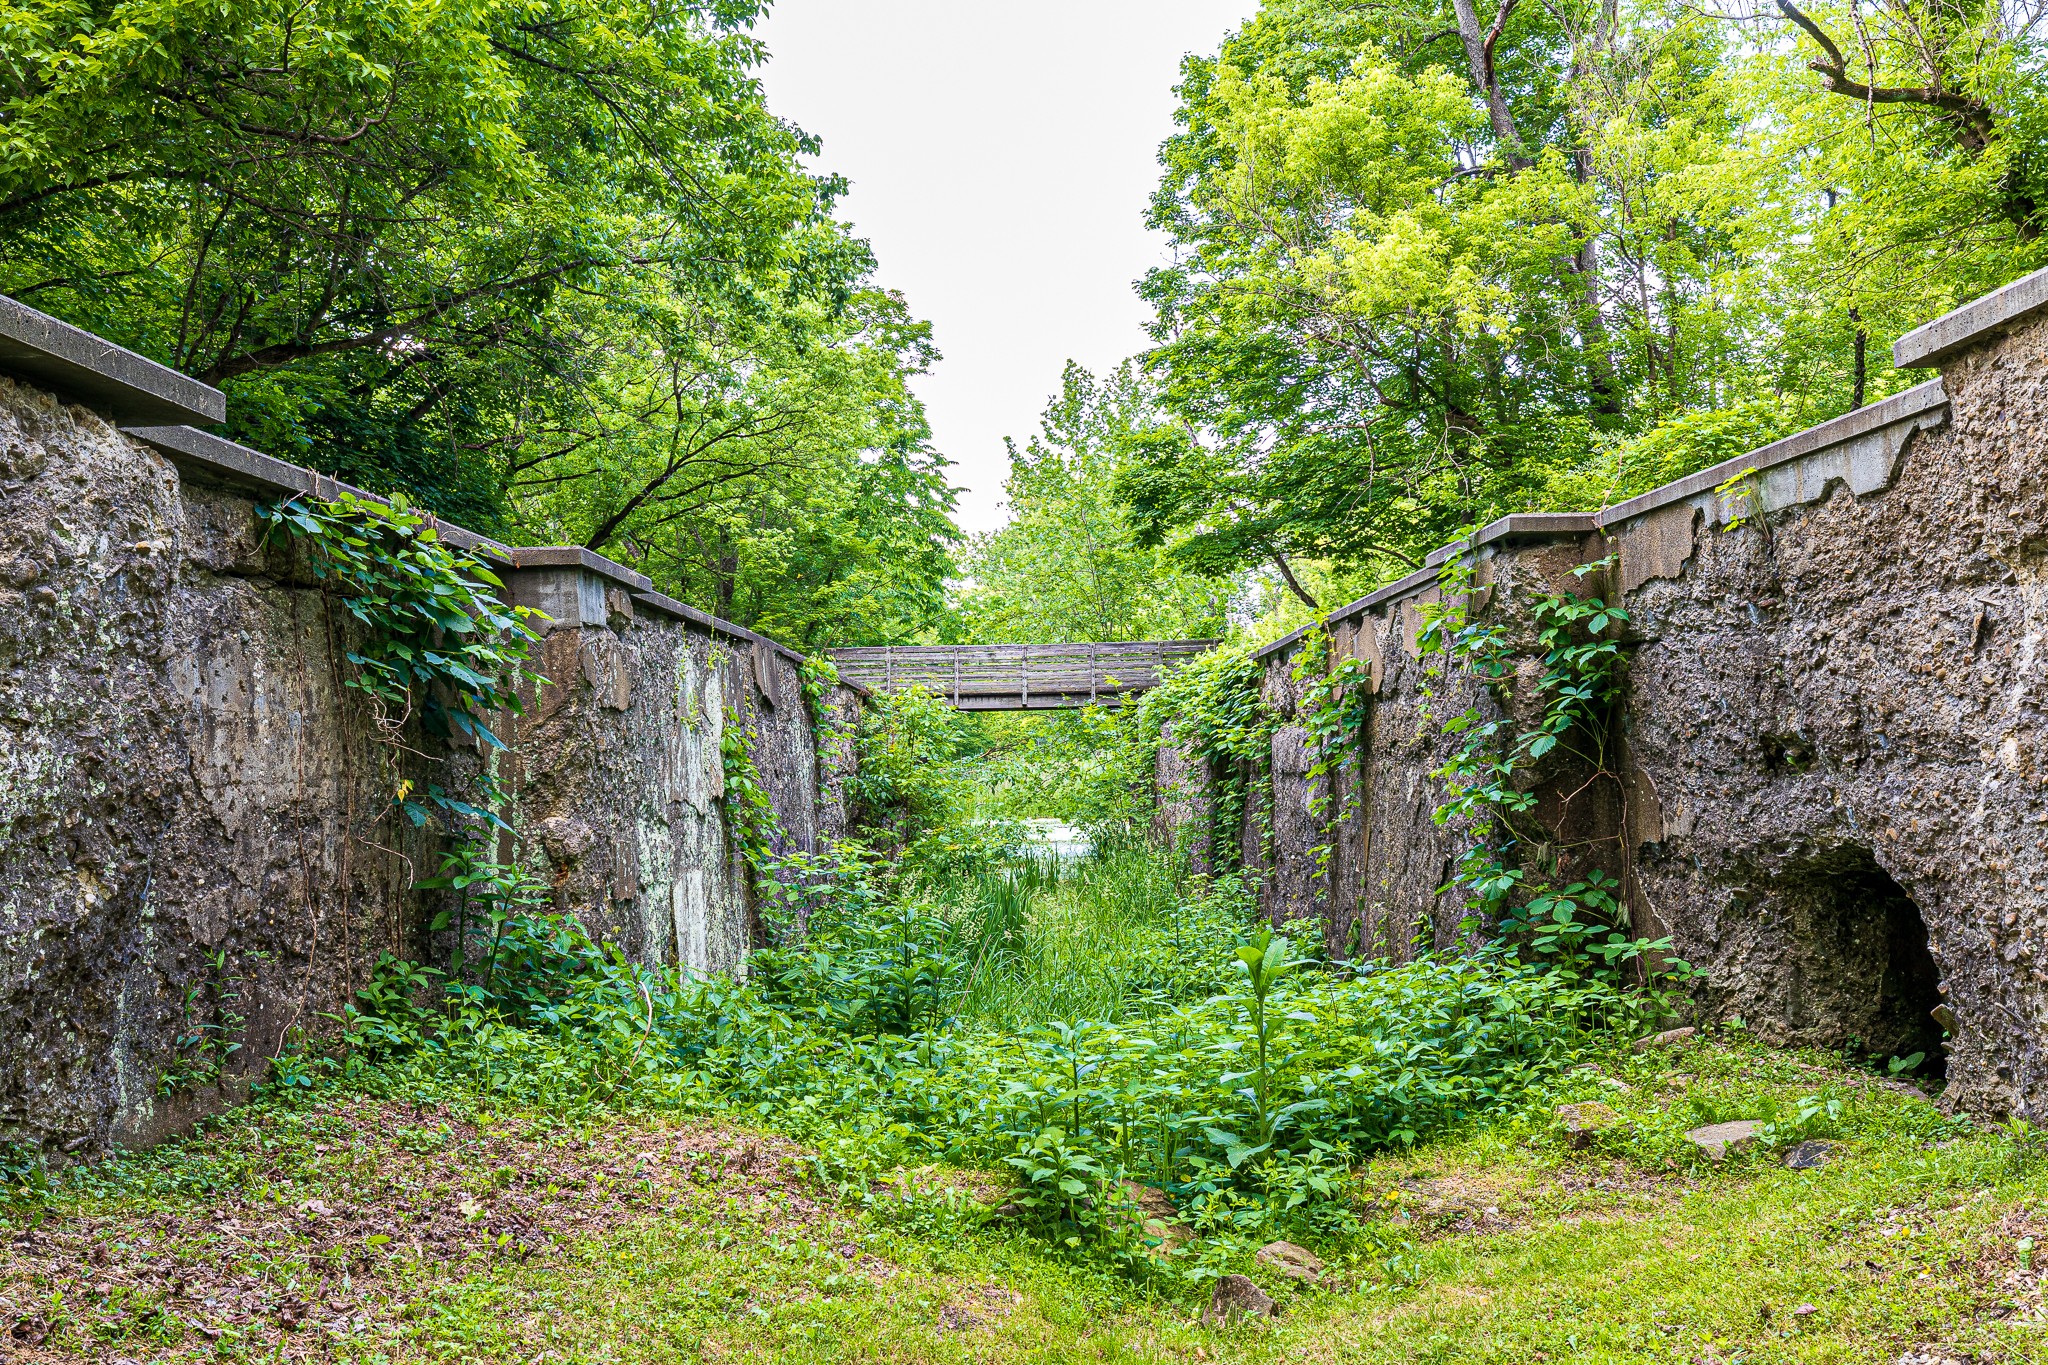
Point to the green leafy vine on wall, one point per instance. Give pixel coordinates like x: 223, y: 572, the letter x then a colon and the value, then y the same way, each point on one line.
x: 1510, y: 869
x: 1213, y: 709
x: 750, y: 814
x: 438, y: 641
x: 435, y: 643
x: 1336, y: 699
x: 819, y: 677
x: 789, y: 883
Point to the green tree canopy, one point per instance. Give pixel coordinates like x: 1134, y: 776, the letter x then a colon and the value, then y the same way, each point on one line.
x: 1067, y: 565
x: 781, y: 476
x: 551, y: 267
x: 1443, y: 259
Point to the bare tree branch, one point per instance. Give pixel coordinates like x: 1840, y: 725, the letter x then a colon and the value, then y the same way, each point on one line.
x: 1486, y: 78
x: 1976, y: 122
x: 1294, y: 585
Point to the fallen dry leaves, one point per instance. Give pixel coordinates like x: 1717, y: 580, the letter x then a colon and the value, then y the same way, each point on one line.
x: 318, y: 1239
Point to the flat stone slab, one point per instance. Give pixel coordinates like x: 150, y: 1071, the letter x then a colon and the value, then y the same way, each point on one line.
x: 1235, y: 1300
x: 1719, y: 1139
x: 1668, y: 1038
x: 91, y: 370
x: 1296, y: 1263
x: 1809, y: 1156
x: 1584, y: 1120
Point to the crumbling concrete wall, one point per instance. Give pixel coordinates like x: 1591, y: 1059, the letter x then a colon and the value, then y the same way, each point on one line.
x: 1829, y: 774
x: 184, y: 811
x: 1359, y: 849
x: 1182, y: 814
x: 620, y: 780
x: 196, y: 813
x: 837, y: 727
x: 619, y: 769
x: 1836, y: 717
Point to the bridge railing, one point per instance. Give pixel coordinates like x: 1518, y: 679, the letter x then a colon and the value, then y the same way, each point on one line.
x: 1019, y: 677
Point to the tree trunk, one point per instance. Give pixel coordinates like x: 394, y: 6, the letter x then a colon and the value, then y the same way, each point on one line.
x: 1478, y: 44
x: 1862, y: 370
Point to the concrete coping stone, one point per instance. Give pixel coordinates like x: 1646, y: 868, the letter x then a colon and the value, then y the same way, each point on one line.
x: 1972, y: 324
x: 683, y: 611
x: 1399, y: 588
x: 217, y: 458
x: 1528, y: 526
x: 1518, y: 526
x: 113, y: 380
x: 1921, y: 398
x: 577, y: 557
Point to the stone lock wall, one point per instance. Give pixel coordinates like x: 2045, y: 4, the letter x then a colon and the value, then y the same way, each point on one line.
x: 1830, y: 781
x: 617, y: 762
x: 196, y: 812
x: 1181, y: 814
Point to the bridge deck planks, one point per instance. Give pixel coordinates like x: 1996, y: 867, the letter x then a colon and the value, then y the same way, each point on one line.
x: 1018, y: 677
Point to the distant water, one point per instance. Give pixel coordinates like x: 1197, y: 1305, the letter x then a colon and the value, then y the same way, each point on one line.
x: 1062, y: 840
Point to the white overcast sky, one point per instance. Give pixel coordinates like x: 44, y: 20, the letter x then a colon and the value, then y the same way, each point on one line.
x: 1001, y: 156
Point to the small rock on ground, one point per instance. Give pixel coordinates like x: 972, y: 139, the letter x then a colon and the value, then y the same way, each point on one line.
x: 1719, y: 1139
x: 1160, y: 1219
x: 1236, y: 1299
x: 1809, y: 1156
x: 954, y: 1319
x: 1666, y: 1038
x: 1582, y: 1121
x: 1296, y: 1263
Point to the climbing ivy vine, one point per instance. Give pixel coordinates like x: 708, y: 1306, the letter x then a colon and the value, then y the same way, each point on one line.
x: 1214, y: 711
x: 750, y: 814
x: 438, y: 641
x: 820, y: 677
x: 1510, y: 869
x: 1335, y: 701
x: 209, y: 1021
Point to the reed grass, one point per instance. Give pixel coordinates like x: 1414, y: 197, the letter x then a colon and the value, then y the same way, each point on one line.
x: 1097, y: 940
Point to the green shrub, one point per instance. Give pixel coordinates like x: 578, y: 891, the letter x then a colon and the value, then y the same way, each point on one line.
x: 1225, y: 1070
x: 23, y: 1174
x: 905, y: 782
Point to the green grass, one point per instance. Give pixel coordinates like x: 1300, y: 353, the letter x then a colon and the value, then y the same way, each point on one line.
x: 417, y: 1218
x: 364, y: 1230
x: 1097, y: 941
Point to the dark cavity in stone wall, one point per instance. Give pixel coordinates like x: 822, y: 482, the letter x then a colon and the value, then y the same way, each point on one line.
x: 1857, y: 971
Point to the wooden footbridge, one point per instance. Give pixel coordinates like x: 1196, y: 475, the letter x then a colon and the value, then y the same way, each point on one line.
x: 1019, y: 677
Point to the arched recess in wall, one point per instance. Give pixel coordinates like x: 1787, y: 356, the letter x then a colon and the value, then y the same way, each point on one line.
x: 1862, y: 973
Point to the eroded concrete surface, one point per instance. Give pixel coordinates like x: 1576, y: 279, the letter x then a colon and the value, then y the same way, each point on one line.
x: 1830, y: 777
x: 196, y: 815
